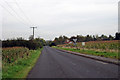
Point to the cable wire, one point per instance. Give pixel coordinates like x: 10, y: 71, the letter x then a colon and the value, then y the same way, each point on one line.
x: 12, y: 14
x: 22, y: 11
x: 14, y: 11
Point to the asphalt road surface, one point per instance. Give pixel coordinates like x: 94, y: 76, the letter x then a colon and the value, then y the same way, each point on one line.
x: 57, y: 64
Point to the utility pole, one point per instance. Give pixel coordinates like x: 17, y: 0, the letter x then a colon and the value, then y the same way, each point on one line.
x: 33, y: 31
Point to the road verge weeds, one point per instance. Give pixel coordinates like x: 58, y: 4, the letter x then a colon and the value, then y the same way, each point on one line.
x: 21, y: 66
x: 92, y: 52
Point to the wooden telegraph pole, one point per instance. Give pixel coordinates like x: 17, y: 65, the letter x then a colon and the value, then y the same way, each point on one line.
x: 33, y: 31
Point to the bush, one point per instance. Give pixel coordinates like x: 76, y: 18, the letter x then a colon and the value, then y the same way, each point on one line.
x: 31, y: 44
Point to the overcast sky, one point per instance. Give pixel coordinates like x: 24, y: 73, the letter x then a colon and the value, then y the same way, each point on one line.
x: 58, y: 17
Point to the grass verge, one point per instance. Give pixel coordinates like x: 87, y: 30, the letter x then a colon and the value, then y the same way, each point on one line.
x: 22, y: 66
x: 92, y: 52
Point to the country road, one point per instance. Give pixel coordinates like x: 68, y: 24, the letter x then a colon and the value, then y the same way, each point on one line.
x: 56, y: 64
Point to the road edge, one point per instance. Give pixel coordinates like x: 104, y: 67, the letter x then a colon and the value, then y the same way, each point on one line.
x: 103, y: 59
x: 33, y: 64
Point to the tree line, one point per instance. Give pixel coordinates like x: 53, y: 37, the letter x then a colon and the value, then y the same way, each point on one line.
x: 39, y: 42
x: 31, y: 44
x: 80, y: 38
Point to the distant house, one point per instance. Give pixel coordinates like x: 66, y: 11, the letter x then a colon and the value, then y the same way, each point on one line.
x: 68, y: 42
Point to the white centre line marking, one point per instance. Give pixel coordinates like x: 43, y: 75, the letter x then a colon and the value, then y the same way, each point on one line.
x: 101, y: 62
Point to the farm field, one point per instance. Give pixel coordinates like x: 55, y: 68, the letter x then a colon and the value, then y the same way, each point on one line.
x: 99, y: 48
x: 10, y: 55
x: 18, y: 61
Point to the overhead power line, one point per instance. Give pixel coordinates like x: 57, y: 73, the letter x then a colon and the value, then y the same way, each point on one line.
x: 15, y: 11
x: 23, y: 12
x: 12, y: 14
